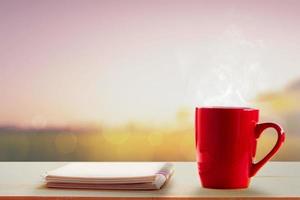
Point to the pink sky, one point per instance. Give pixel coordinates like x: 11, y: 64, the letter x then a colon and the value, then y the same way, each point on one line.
x: 65, y: 62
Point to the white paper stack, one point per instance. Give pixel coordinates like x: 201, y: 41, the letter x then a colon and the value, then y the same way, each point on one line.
x: 111, y: 175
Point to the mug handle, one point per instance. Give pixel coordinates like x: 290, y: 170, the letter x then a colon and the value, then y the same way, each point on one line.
x: 258, y: 131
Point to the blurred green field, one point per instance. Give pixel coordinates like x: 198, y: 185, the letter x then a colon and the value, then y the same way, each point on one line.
x: 123, y: 143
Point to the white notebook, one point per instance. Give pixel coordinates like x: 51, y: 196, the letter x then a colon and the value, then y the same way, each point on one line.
x: 111, y: 175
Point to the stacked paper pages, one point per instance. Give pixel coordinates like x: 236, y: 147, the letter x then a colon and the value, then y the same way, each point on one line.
x: 112, y: 175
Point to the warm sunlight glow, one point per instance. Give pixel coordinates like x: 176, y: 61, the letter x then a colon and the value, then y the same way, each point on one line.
x: 101, y: 63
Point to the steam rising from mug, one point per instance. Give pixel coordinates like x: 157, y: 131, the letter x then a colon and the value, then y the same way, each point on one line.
x: 226, y: 72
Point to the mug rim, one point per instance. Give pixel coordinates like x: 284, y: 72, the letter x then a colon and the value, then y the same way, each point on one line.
x: 227, y: 108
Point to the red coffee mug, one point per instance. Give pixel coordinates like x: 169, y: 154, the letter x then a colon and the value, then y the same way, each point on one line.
x: 226, y: 144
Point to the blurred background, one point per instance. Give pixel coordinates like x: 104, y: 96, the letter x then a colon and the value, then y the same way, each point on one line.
x: 114, y: 80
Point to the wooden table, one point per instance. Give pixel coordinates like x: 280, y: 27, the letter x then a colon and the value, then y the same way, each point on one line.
x: 23, y: 180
